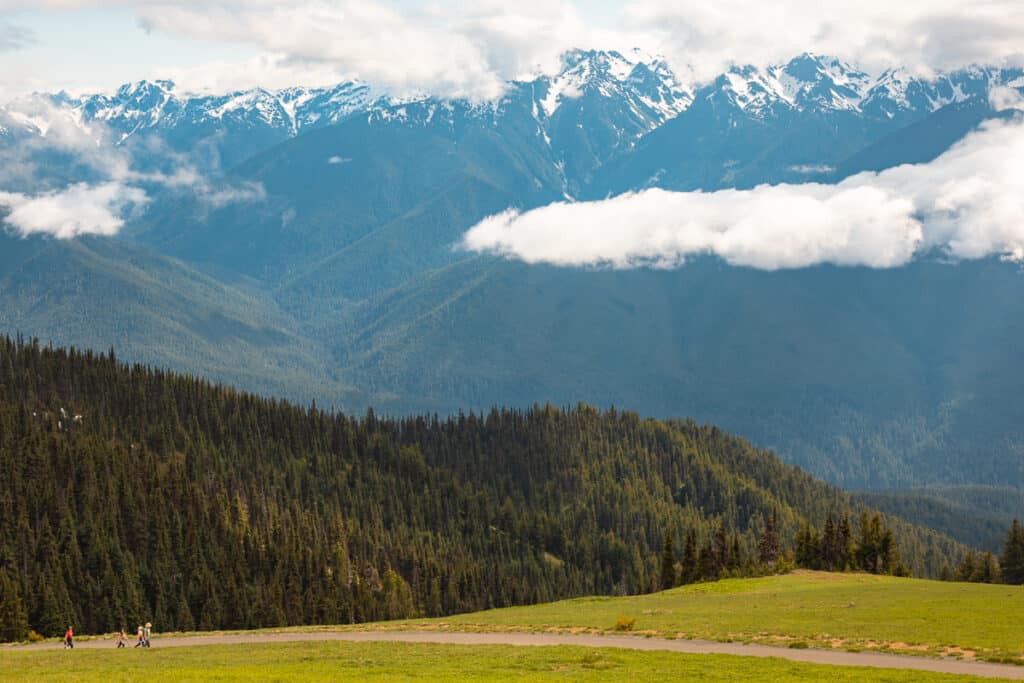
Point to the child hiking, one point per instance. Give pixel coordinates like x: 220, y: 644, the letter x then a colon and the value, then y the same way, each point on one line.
x: 141, y: 641
x: 69, y: 639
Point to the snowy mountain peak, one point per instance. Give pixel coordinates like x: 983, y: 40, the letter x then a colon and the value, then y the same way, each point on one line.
x: 144, y: 89
x: 645, y: 82
x: 806, y: 81
x: 825, y: 82
x: 812, y: 82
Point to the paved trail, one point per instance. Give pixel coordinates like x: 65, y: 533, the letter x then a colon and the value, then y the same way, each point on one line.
x: 814, y: 656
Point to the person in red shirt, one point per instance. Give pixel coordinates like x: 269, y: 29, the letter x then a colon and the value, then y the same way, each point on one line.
x: 69, y: 639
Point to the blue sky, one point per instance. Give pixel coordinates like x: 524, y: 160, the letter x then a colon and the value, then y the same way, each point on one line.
x: 100, y: 48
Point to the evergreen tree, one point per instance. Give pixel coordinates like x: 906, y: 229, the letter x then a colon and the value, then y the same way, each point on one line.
x: 735, y: 554
x: 829, y: 550
x: 721, y: 547
x: 844, y: 549
x: 706, y: 562
x: 769, y: 545
x: 988, y: 569
x: 13, y: 617
x: 668, y: 563
x: 1012, y: 560
x: 808, y: 549
x: 690, y: 570
x: 968, y: 567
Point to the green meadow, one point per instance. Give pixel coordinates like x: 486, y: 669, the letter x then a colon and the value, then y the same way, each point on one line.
x: 817, y: 609
x: 802, y: 609
x: 340, y: 661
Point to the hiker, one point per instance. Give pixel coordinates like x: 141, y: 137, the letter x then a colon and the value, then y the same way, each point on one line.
x: 147, y: 632
x: 69, y: 639
x: 141, y: 641
x: 122, y: 638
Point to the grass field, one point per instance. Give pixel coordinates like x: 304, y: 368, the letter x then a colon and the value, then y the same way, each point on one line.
x: 318, y: 661
x: 818, y: 609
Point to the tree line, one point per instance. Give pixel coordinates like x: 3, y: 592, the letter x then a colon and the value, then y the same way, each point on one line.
x: 131, y: 494
x: 835, y: 548
x: 986, y: 567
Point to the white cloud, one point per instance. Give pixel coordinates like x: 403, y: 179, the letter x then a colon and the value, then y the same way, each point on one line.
x: 1002, y: 98
x: 922, y: 35
x: 217, y: 197
x: 443, y: 48
x: 79, y: 209
x: 968, y: 203
x: 811, y: 169
x: 273, y: 71
x: 452, y: 48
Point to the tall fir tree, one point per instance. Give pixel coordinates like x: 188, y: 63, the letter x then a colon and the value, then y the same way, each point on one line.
x: 13, y: 617
x: 770, y: 544
x: 668, y: 563
x: 1012, y: 560
x: 690, y: 571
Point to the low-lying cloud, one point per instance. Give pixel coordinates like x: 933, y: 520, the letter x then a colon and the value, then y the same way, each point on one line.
x: 968, y: 203
x: 67, y: 179
x: 79, y: 209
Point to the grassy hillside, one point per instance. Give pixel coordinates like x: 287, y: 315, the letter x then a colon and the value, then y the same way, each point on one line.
x: 851, y: 611
x: 308, y: 662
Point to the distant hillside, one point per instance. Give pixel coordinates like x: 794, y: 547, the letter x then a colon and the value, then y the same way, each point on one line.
x: 869, y: 378
x: 131, y: 494
x: 976, y: 515
x: 103, y: 293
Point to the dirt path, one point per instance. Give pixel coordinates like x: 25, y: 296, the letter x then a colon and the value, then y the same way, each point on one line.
x: 814, y: 656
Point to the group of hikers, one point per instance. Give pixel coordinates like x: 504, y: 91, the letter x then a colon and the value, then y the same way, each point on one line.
x: 122, y: 637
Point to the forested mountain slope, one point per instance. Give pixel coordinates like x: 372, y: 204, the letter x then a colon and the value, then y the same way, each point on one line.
x: 135, y: 494
x: 869, y: 378
x: 976, y: 515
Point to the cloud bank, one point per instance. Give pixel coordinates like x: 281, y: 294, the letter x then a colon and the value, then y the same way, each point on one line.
x: 922, y: 35
x: 448, y: 49
x: 472, y: 49
x: 457, y: 49
x: 968, y: 203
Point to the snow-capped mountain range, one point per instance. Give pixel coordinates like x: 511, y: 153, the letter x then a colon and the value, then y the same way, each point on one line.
x: 587, y: 120
x: 645, y: 84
